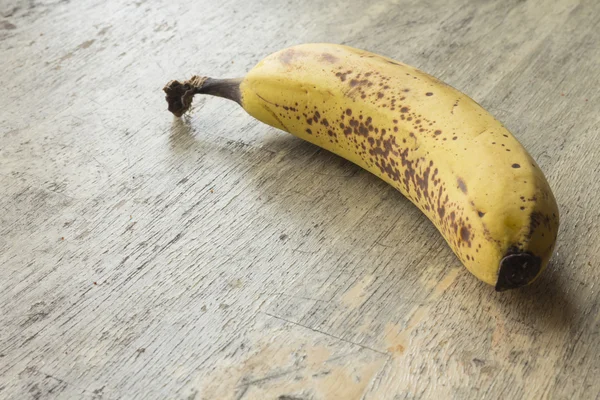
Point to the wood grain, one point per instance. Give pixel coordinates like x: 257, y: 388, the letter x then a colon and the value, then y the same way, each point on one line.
x: 214, y: 257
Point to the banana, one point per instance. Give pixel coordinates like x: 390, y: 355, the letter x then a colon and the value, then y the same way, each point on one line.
x: 459, y: 165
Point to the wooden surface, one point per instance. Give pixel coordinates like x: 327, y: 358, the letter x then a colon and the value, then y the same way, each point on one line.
x: 217, y: 258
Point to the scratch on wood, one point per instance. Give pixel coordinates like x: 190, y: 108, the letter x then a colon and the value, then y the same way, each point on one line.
x: 324, y: 333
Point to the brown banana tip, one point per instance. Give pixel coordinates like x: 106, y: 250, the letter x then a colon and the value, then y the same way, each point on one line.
x: 179, y: 95
x: 516, y: 270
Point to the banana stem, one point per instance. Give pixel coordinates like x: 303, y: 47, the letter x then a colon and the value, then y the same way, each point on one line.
x: 179, y: 95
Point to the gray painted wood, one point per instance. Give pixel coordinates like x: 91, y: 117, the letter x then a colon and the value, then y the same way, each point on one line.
x: 217, y: 258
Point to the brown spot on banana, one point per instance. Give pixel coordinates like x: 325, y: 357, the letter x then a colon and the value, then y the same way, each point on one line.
x: 461, y: 185
x: 330, y: 58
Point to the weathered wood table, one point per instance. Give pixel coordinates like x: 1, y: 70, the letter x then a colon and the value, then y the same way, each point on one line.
x: 214, y: 257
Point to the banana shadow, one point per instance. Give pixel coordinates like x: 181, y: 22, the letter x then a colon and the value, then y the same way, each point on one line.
x: 543, y: 305
x: 181, y: 135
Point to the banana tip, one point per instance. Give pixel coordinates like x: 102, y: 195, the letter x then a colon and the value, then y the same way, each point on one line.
x: 516, y: 270
x: 179, y: 95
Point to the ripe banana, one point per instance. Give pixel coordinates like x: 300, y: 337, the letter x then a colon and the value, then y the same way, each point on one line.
x: 445, y: 153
